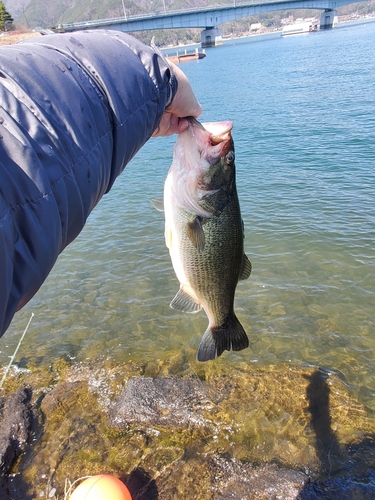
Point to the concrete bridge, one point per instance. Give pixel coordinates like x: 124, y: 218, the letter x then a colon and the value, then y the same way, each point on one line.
x: 208, y: 17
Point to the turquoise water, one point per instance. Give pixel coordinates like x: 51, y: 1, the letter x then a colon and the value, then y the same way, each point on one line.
x: 303, y: 110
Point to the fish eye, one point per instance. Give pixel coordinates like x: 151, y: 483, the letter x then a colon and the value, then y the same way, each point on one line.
x: 230, y: 157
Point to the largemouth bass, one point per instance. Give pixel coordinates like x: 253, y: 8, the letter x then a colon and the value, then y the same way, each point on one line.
x: 204, y: 233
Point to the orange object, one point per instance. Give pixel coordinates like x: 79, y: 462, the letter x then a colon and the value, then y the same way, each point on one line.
x: 101, y: 487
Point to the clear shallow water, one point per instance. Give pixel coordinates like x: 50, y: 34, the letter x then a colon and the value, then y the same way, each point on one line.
x: 303, y: 110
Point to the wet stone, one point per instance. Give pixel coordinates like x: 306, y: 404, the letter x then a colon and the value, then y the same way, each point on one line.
x: 221, y: 477
x: 15, y: 425
x: 278, y: 432
x: 162, y: 402
x: 235, y: 480
x: 348, y: 487
x: 62, y: 397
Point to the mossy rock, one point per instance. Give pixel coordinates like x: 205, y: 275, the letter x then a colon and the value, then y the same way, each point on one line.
x: 200, y: 435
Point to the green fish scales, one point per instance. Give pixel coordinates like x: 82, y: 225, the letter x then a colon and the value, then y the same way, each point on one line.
x: 206, y: 243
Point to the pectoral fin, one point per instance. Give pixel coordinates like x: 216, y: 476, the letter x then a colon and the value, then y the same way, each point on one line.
x: 245, y: 268
x: 168, y: 237
x: 158, y: 204
x: 196, y: 234
x: 183, y: 302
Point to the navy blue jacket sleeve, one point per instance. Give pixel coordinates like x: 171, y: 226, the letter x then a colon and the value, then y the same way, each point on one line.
x: 74, y: 110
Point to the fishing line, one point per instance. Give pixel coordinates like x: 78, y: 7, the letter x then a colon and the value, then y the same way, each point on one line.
x: 15, y: 352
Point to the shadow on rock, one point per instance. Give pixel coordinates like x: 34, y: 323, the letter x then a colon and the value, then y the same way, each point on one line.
x: 344, y: 469
x: 141, y: 485
x: 328, y: 449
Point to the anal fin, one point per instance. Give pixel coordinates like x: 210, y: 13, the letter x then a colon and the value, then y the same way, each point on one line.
x: 183, y: 302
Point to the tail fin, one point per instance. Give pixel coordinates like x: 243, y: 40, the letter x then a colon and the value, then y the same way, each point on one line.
x: 216, y: 340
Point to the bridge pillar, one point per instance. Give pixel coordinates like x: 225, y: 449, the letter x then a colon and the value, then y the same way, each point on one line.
x: 328, y: 19
x: 210, y: 37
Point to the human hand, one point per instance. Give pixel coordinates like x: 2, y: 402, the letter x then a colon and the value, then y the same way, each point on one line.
x: 184, y: 104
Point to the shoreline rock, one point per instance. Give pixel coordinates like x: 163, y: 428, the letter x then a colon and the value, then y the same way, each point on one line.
x: 16, y: 419
x: 273, y: 433
x: 15, y: 425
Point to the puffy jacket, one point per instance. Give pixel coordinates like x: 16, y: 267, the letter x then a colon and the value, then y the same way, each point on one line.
x: 74, y: 109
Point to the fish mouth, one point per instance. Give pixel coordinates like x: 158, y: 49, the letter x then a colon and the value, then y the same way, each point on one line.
x: 219, y: 131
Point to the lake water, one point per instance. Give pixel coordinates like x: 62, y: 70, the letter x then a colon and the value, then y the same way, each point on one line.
x: 303, y: 109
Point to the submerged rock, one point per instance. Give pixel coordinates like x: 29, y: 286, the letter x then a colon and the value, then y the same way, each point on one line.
x: 229, y: 411
x: 163, y: 402
x: 217, y: 432
x: 347, y: 487
x: 238, y: 480
x: 230, y: 479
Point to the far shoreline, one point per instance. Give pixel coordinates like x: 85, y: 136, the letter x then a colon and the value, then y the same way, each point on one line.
x: 268, y: 34
x: 16, y: 36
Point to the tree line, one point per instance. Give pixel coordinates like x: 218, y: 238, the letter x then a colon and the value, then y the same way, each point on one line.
x: 6, y: 19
